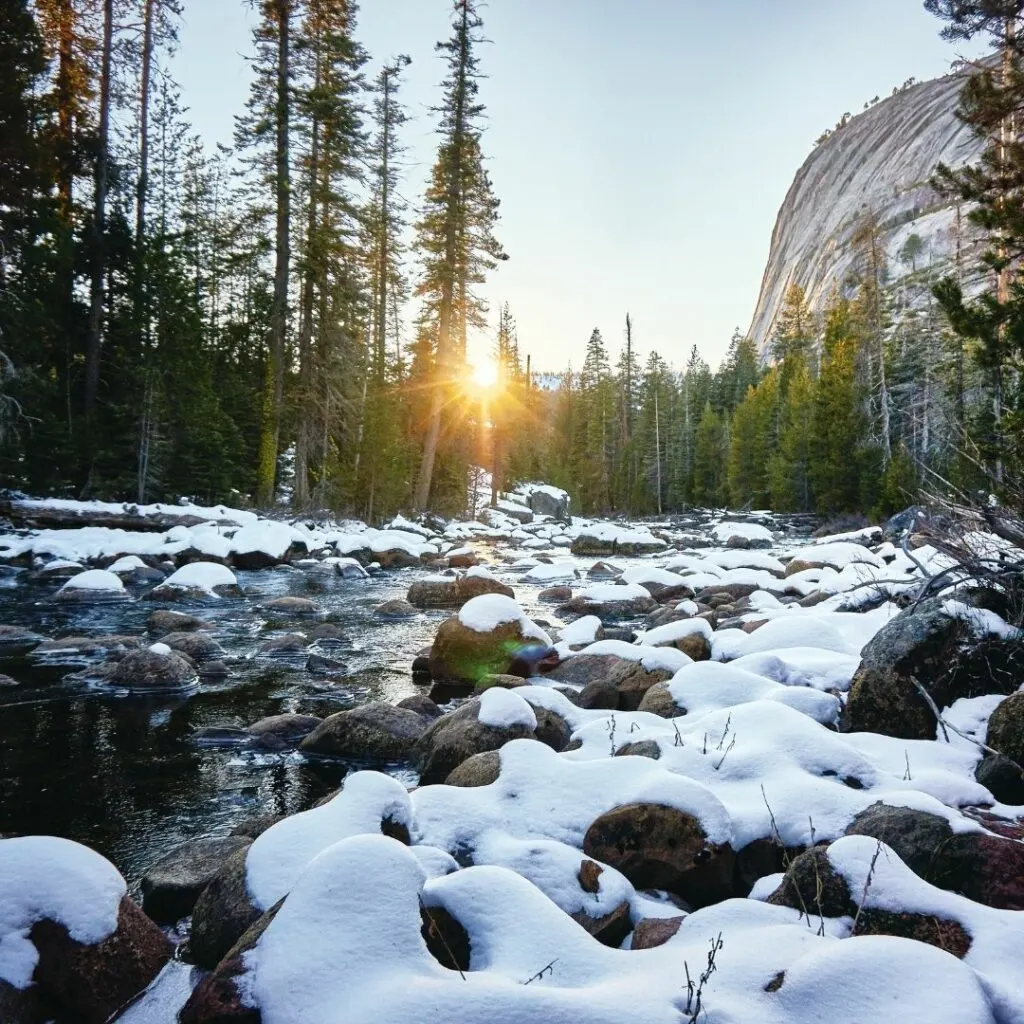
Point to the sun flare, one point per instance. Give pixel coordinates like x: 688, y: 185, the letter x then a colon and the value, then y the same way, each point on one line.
x: 485, y: 374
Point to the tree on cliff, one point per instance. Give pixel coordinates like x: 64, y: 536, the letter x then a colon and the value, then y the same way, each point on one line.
x: 992, y: 104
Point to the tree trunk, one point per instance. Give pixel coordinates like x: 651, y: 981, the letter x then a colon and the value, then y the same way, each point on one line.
x: 96, y: 297
x: 443, y: 360
x: 306, y: 404
x: 142, y: 186
x: 273, y: 384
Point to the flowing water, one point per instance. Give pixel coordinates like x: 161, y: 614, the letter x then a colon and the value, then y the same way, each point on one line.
x: 125, y: 774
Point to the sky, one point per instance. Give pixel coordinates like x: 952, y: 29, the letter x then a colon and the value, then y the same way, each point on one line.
x: 641, y: 150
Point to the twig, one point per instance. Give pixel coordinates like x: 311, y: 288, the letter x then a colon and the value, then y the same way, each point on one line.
x: 867, y: 886
x: 437, y: 931
x: 726, y: 754
x: 546, y: 969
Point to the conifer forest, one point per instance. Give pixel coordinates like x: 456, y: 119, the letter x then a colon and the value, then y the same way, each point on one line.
x: 274, y: 321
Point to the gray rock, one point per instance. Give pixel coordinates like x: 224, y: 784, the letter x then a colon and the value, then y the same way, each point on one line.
x: 372, y: 732
x: 199, y: 646
x: 149, y: 671
x: 396, y: 610
x: 165, y: 621
x: 290, y: 728
x: 455, y: 738
x: 17, y: 641
x: 543, y: 503
x: 290, y: 606
x: 171, y: 886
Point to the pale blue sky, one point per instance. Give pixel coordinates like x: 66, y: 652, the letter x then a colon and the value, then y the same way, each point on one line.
x: 640, y: 150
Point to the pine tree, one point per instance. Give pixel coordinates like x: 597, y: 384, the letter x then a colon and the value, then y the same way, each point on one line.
x: 838, y: 426
x: 455, y: 235
x: 794, y: 334
x: 710, y: 455
x: 992, y: 104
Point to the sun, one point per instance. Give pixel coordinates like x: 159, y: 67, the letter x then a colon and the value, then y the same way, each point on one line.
x: 485, y: 374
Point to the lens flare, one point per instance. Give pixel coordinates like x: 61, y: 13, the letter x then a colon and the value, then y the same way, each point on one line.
x: 485, y: 374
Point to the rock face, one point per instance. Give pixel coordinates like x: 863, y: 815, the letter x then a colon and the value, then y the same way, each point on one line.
x: 881, y: 161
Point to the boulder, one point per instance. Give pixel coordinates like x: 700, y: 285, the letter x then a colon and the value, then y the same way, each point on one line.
x: 597, y: 672
x: 658, y: 700
x: 813, y: 886
x: 219, y: 998
x: 1006, y: 728
x: 422, y: 705
x: 290, y: 606
x: 555, y: 595
x: 986, y: 868
x: 288, y: 728
x: 455, y: 592
x: 629, y: 606
x: 604, y: 571
x: 1002, y: 777
x: 460, y: 654
x: 457, y: 737
x: 662, y: 848
x: 550, y: 501
x: 152, y: 671
x: 938, y: 651
x: 371, y: 732
x: 91, y: 984
x: 198, y: 646
x: 17, y: 641
x: 654, y: 931
x: 396, y: 610
x: 171, y: 886
x: 164, y: 621
x: 599, y: 695
x: 641, y: 748
x: 94, y: 586
x: 479, y: 770
x: 552, y: 729
x: 222, y: 913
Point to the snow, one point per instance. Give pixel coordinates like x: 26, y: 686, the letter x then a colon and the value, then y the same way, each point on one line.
x: 486, y: 613
x: 722, y: 532
x: 127, y: 564
x: 709, y: 686
x: 502, y: 709
x: 653, y: 659
x: 278, y: 856
x: 837, y: 554
x: 582, y: 631
x: 203, y: 576
x: 612, y: 593
x: 159, y: 648
x: 47, y: 878
x: 673, y: 631
x: 353, y: 923
x: 981, y: 621
x: 94, y: 579
x: 556, y: 571
x: 642, y: 574
x: 740, y: 559
x: 268, y: 537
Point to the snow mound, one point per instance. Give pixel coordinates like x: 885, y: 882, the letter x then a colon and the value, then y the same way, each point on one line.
x: 487, y: 612
x: 94, y: 579
x: 502, y: 709
x: 44, y: 877
x: 204, y: 576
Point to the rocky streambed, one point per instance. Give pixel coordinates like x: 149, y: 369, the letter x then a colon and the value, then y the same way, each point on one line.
x: 513, y: 769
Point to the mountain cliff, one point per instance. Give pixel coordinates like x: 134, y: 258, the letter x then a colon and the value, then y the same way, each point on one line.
x: 879, y: 163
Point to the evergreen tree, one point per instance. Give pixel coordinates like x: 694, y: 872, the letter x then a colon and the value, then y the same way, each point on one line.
x: 455, y: 235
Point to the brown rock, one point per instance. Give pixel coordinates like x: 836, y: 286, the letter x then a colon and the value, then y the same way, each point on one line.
x: 92, y: 983
x: 662, y: 848
x: 654, y: 931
